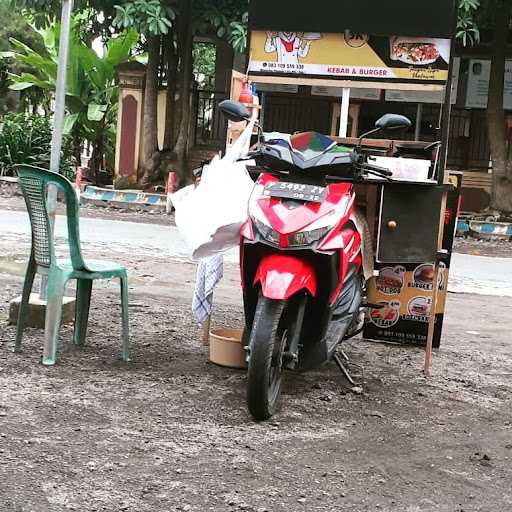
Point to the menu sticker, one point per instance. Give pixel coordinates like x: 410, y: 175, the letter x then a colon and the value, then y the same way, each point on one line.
x: 423, y: 276
x: 387, y: 315
x: 390, y: 280
x: 419, y: 309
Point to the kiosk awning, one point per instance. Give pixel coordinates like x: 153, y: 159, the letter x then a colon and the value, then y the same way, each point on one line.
x: 432, y: 18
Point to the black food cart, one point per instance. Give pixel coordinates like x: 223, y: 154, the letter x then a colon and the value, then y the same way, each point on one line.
x: 335, y: 55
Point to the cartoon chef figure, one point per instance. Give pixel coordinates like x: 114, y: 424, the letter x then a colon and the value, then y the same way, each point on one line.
x: 288, y: 45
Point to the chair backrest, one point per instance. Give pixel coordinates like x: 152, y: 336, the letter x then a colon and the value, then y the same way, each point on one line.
x: 34, y: 184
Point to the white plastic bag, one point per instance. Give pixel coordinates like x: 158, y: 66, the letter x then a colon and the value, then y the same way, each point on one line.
x: 406, y: 169
x: 211, y: 215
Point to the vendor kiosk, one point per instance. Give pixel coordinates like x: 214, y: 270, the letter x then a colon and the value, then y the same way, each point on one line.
x: 364, y: 47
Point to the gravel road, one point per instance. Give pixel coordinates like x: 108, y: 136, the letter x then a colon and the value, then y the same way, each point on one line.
x: 170, y: 431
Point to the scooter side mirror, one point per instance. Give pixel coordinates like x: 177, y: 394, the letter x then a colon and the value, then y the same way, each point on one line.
x: 393, y: 122
x: 234, y: 111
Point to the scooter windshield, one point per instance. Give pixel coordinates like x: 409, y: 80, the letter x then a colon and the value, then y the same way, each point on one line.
x: 306, y: 150
x: 311, y: 144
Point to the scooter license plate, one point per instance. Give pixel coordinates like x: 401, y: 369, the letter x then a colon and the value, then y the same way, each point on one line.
x: 298, y: 191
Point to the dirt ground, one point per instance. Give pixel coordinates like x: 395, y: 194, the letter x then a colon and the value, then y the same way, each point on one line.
x: 170, y: 431
x: 493, y: 248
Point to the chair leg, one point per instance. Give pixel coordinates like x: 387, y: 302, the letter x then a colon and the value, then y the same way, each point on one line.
x: 25, y: 298
x: 124, y: 309
x: 83, y: 303
x: 56, y: 287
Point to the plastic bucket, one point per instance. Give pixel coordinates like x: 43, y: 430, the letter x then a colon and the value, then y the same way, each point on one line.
x: 226, y: 348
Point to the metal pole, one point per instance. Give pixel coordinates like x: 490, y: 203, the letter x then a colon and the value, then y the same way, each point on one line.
x: 431, y: 321
x: 262, y: 111
x: 58, y: 116
x: 445, y: 119
x: 419, y: 115
x: 60, y: 91
x: 345, y: 104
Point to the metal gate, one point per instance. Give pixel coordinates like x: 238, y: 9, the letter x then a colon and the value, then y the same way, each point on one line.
x: 211, y: 125
x: 290, y: 114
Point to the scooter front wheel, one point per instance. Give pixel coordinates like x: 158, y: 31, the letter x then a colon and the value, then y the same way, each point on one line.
x: 267, y: 345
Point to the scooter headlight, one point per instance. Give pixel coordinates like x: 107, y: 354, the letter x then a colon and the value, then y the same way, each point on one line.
x: 304, y: 238
x: 266, y: 232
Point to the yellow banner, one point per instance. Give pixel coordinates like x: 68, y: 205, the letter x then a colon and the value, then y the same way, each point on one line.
x: 350, y: 56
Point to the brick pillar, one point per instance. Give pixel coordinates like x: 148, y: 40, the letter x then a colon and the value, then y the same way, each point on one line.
x: 129, y: 122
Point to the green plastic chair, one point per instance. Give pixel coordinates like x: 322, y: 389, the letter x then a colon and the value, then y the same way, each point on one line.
x: 34, y: 184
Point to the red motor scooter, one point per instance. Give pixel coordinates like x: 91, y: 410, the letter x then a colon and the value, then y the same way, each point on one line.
x: 301, y: 255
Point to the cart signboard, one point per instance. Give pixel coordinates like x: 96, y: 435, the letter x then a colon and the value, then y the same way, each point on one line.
x: 350, y: 56
x: 403, y: 291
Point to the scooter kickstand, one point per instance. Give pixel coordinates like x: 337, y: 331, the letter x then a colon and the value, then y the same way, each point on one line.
x: 344, y: 355
x: 343, y: 368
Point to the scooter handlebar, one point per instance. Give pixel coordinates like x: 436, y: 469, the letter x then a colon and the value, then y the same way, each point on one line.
x: 376, y: 169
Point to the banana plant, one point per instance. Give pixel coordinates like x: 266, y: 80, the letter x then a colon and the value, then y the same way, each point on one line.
x: 91, y: 88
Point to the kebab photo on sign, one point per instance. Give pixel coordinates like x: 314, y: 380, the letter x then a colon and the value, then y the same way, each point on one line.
x: 418, y: 51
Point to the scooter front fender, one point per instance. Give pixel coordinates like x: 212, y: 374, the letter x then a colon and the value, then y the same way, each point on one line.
x: 281, y: 276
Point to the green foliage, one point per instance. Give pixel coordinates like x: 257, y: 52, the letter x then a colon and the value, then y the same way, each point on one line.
x: 238, y: 34
x: 15, y: 25
x: 204, y: 65
x: 46, y: 12
x: 91, y: 89
x: 225, y: 18
x: 146, y: 16
x: 467, y: 25
x: 26, y: 139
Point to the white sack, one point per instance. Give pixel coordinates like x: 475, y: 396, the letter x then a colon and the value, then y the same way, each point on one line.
x: 211, y: 215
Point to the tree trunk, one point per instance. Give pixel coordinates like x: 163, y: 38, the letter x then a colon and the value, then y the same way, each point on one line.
x: 77, y: 149
x: 170, y: 105
x: 151, y: 110
x: 501, y: 197
x: 94, y: 165
x: 12, y: 101
x: 186, y: 65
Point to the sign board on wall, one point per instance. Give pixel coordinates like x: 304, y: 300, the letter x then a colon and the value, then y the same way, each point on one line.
x: 426, y: 96
x: 289, y: 88
x: 478, y: 84
x: 350, y: 56
x: 355, y: 93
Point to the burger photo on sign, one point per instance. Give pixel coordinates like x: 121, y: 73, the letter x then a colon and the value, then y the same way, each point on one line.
x: 424, y: 274
x: 419, y: 306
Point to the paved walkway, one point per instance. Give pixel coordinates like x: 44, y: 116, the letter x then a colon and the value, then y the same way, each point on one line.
x: 469, y: 274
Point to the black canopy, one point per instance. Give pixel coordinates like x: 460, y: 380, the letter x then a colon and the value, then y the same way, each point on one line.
x: 425, y: 18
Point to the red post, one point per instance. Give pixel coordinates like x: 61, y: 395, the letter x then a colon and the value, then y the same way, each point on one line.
x: 79, y: 176
x: 171, y: 188
x: 171, y: 183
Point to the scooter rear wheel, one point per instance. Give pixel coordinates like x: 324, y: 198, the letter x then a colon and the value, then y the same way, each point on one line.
x: 267, y: 345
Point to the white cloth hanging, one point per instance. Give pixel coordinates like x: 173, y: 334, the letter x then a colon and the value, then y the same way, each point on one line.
x: 209, y: 272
